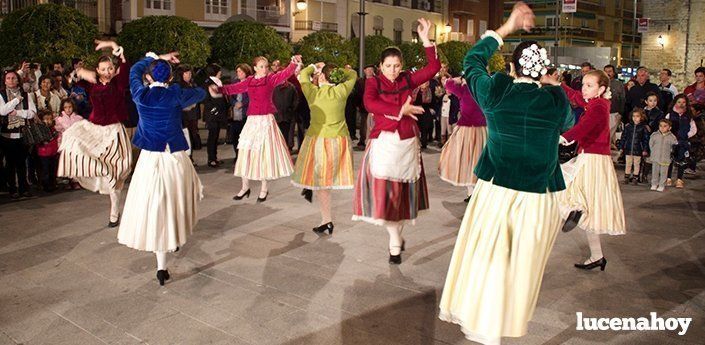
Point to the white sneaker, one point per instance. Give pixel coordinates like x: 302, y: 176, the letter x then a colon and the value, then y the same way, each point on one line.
x: 660, y: 188
x: 653, y: 187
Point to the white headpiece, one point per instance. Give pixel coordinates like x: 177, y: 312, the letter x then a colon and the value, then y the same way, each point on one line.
x: 533, y: 61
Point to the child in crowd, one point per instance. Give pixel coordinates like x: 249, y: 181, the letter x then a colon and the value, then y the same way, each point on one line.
x: 653, y: 112
x: 48, y: 152
x: 661, y: 144
x: 634, y: 144
x: 683, y: 127
x: 66, y: 119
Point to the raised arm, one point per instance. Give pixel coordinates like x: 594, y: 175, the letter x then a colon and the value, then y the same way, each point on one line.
x: 237, y: 87
x: 304, y: 80
x: 344, y: 89
x: 453, y: 87
x: 281, y: 76
x: 136, y: 73
x: 191, y: 96
x: 123, y: 78
x: 574, y: 96
x: 434, y: 65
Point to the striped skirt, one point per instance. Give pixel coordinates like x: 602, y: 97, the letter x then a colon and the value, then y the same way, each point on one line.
x: 161, y: 205
x: 497, y: 265
x: 98, y: 157
x: 262, y: 153
x: 324, y: 163
x: 460, y: 155
x: 592, y: 187
x: 381, y: 202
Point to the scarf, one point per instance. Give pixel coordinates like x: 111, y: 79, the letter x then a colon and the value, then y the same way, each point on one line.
x: 14, y: 121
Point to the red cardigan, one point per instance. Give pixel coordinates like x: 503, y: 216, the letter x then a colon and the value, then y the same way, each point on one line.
x: 593, y: 130
x: 385, y: 106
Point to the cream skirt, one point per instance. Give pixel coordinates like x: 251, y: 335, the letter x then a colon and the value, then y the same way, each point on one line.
x: 497, y: 266
x: 262, y: 151
x: 162, y: 202
x: 592, y: 187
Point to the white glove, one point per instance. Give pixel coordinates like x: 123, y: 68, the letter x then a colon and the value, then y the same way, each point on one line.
x: 563, y: 141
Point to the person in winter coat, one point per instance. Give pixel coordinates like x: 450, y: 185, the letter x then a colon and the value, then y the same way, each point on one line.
x: 653, y: 112
x: 683, y: 127
x: 634, y: 144
x: 661, y: 145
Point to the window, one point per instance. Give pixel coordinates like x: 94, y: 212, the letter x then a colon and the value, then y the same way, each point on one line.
x: 378, y: 25
x: 158, y: 4
x: 471, y: 28
x: 398, y: 30
x: 553, y: 21
x: 617, y: 31
x: 601, y: 24
x: 415, y: 31
x: 483, y: 26
x: 584, y: 23
x: 456, y: 25
x: 217, y: 7
x: 158, y: 7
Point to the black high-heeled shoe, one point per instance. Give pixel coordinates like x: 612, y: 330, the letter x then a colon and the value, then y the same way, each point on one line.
x: 162, y: 275
x: 394, y: 259
x: 239, y: 197
x: 467, y: 200
x: 321, y: 230
x: 262, y: 199
x: 572, y: 221
x: 112, y: 224
x: 307, y: 194
x: 602, y: 263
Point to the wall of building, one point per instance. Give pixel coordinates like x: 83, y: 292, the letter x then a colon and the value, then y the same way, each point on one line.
x: 684, y: 48
x: 463, y: 10
x: 389, y: 13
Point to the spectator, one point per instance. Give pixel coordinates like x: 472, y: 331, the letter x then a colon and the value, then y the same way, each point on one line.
x: 661, y: 144
x: 636, y: 96
x: 29, y: 76
x: 48, y: 152
x: 215, y: 113
x: 577, y: 83
x: 240, y: 103
x: 46, y: 97
x: 16, y: 108
x: 423, y: 96
x: 286, y: 100
x: 567, y: 77
x: 683, y: 127
x: 696, y: 91
x: 365, y: 121
x: 58, y: 67
x: 191, y: 114
x: 67, y: 117
x: 667, y: 91
x: 551, y: 77
x: 634, y: 144
x: 697, y: 142
x: 653, y: 113
x: 617, y: 102
x: 60, y: 84
x: 629, y: 85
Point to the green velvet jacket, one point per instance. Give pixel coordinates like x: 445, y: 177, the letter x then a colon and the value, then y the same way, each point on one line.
x: 524, y: 123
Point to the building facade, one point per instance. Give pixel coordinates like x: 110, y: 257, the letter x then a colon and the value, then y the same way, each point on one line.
x: 469, y: 19
x: 681, y: 47
x: 98, y: 10
x: 596, y: 24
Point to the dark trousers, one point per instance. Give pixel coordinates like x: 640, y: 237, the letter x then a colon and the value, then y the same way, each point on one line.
x: 212, y: 143
x: 285, y: 127
x: 680, y: 169
x: 194, y: 136
x: 363, y: 128
x: 16, y: 169
x: 48, y: 173
x: 234, y: 132
x: 426, y: 128
x: 3, y: 173
x: 33, y: 165
x: 296, y: 130
x: 351, y: 121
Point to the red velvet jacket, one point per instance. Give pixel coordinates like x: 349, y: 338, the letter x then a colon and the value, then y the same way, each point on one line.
x: 386, y: 105
x: 593, y: 130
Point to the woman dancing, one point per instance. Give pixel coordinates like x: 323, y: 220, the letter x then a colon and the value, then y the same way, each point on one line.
x: 97, y: 153
x: 592, y: 199
x: 325, y: 158
x: 462, y: 151
x: 262, y: 151
x: 512, y: 220
x: 161, y: 205
x: 391, y: 185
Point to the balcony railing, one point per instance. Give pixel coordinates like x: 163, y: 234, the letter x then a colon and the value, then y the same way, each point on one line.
x: 269, y: 15
x: 87, y: 7
x: 309, y: 25
x: 9, y: 6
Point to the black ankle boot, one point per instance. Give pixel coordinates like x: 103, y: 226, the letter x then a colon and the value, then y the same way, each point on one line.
x: 572, y: 221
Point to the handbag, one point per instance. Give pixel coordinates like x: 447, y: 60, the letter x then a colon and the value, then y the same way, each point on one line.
x: 34, y: 133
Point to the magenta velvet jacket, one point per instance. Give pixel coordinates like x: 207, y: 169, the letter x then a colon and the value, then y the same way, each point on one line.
x: 260, y: 90
x: 470, y: 113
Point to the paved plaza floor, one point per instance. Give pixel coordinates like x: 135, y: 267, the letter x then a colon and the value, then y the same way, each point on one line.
x: 256, y: 274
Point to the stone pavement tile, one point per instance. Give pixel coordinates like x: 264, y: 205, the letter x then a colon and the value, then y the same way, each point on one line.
x: 5, y: 339
x: 181, y: 329
x: 93, y: 323
x: 23, y: 313
x: 61, y: 332
x: 128, y: 311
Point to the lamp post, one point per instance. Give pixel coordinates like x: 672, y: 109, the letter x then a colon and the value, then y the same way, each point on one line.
x: 362, y: 14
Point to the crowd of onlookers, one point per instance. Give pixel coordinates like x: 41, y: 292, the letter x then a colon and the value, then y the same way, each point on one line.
x: 38, y: 104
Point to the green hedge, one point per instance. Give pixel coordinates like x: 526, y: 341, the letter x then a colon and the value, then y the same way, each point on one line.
x: 326, y: 47
x: 242, y: 41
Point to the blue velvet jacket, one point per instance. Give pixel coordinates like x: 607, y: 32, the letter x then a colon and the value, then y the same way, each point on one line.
x: 159, y: 110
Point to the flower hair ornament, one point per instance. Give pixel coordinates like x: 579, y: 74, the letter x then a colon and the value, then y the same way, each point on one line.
x: 533, y: 61
x: 337, y: 76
